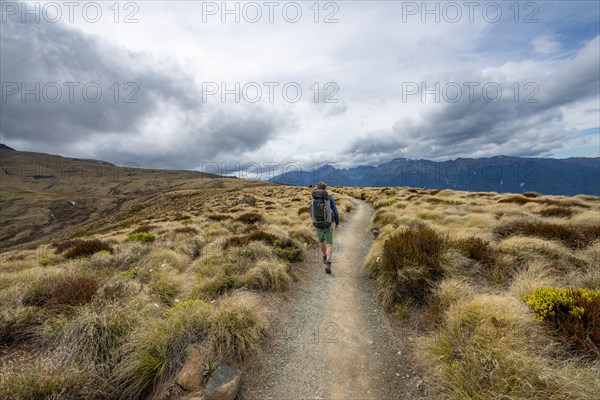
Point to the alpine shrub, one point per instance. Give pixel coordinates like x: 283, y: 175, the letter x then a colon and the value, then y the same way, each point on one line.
x: 573, y: 236
x: 84, y: 248
x: 141, y: 237
x: 477, y: 249
x: 250, y: 218
x: 409, y: 266
x: 574, y: 314
x: 63, y: 290
x: 556, y: 212
x: 289, y: 249
x: 250, y: 237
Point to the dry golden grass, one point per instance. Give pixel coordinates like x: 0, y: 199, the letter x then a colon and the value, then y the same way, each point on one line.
x: 478, y: 338
x: 127, y: 337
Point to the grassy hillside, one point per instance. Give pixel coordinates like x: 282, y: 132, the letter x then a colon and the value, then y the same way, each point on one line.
x: 109, y: 305
x: 502, y: 290
x: 105, y: 298
x: 45, y: 194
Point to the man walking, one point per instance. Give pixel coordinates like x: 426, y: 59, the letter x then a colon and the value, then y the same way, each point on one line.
x: 323, y: 213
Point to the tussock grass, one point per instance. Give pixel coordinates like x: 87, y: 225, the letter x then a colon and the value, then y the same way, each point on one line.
x: 101, y: 260
x: 447, y: 293
x: 479, y: 339
x: 218, y: 217
x: 214, y: 286
x: 304, y: 235
x: 94, y: 333
x: 268, y: 276
x: 18, y: 325
x: 45, y: 379
x: 188, y: 230
x: 490, y: 346
x: 143, y: 229
x: 574, y: 237
x: 535, y: 275
x: 129, y: 255
x: 236, y: 327
x: 558, y: 211
x: 156, y: 350
x: 191, y: 246
x: 253, y: 252
x: 165, y: 287
x: 117, y: 323
x: 163, y: 258
x: 382, y: 218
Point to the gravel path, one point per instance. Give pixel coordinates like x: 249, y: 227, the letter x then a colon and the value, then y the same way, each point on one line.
x: 336, y: 344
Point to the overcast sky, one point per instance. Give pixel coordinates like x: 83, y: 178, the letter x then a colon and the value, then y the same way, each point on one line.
x: 346, y: 82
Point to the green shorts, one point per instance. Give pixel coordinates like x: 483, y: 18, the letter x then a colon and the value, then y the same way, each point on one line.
x: 325, y: 235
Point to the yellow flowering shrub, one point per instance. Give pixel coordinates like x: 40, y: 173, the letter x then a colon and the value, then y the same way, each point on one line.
x: 573, y: 313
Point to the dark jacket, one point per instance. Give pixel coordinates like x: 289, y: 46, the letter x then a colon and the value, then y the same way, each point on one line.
x: 336, y: 215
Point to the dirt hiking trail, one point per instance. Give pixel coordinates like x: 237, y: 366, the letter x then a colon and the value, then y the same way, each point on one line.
x: 336, y: 344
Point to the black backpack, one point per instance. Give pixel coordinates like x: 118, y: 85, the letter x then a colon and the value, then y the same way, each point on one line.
x: 320, y: 209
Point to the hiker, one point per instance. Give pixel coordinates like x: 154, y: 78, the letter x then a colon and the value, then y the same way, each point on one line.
x: 323, y: 213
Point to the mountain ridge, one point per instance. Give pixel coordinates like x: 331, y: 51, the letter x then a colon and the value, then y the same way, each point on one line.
x: 501, y: 173
x: 570, y: 176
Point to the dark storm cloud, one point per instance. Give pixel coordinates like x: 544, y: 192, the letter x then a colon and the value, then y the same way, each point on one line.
x: 112, y: 127
x: 51, y: 55
x: 480, y: 128
x: 220, y: 138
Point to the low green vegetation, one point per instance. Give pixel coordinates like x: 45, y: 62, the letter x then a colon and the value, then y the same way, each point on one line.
x: 141, y: 237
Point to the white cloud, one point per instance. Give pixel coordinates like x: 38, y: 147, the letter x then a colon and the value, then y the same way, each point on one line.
x: 371, y: 54
x: 545, y: 45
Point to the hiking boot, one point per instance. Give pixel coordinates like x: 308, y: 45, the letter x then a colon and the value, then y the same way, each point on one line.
x: 324, y: 259
x: 328, y: 266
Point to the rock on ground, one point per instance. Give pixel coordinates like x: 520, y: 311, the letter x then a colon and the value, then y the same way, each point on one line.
x: 224, y: 383
x: 190, y: 376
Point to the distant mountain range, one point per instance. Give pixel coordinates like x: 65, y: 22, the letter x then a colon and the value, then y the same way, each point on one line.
x: 568, y: 177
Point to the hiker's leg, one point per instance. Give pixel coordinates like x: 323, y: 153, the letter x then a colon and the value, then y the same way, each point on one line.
x: 329, y: 242
x: 329, y: 251
x: 321, y: 240
x: 323, y: 248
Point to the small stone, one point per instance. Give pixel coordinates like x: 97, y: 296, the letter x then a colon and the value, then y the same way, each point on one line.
x: 195, y: 396
x: 224, y: 383
x: 190, y: 375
